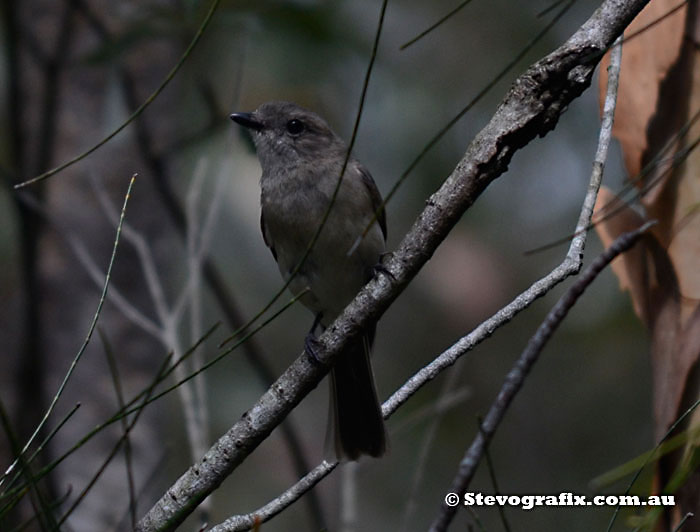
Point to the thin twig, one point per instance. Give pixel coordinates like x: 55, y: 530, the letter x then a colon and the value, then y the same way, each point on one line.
x: 156, y: 469
x: 636, y: 184
x: 80, y: 250
x: 549, y: 8
x: 191, y: 296
x: 494, y: 482
x: 447, y: 127
x: 129, y: 408
x: 517, y: 375
x: 167, y: 327
x: 143, y: 250
x: 569, y: 266
x: 115, y: 449
x: 15, y: 448
x: 682, y: 522
x: 193, y: 403
x: 573, y: 258
x: 88, y: 337
x: 228, y: 351
x: 54, y: 505
x: 265, y: 513
x: 650, y: 455
x: 443, y: 19
x: 137, y: 112
x: 128, y: 464
x: 18, y: 474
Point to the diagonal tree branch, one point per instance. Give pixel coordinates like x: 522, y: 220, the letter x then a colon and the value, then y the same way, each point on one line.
x: 531, y: 108
x: 569, y: 266
x: 516, y: 376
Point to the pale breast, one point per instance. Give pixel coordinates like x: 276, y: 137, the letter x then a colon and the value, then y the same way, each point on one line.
x: 292, y: 213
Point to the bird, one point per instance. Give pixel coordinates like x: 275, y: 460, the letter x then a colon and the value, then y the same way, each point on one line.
x: 302, y: 159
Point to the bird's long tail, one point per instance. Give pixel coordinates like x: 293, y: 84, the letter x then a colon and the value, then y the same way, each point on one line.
x: 355, y: 425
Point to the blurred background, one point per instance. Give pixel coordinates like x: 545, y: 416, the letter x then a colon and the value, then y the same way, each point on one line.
x: 72, y: 71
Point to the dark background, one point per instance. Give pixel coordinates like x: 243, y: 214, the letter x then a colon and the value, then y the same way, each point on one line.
x: 72, y: 71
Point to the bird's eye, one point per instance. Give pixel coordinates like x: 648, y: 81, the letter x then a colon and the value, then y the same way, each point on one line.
x: 295, y: 127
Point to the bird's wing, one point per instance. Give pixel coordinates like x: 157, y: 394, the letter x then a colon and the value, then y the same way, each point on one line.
x: 375, y: 197
x: 266, y: 238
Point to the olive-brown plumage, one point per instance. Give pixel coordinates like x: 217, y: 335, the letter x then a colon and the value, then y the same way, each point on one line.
x: 301, y: 159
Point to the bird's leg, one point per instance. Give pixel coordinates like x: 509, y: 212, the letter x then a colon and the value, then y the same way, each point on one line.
x: 310, y: 342
x: 380, y: 268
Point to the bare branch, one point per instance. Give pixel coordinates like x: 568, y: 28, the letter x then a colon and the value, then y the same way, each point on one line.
x: 531, y: 108
x: 516, y: 377
x: 570, y: 265
x: 143, y: 250
x: 246, y: 522
x: 88, y: 337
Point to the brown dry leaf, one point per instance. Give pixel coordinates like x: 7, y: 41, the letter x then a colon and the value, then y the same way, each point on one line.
x: 647, y: 273
x: 659, y: 95
x: 669, y: 370
x: 630, y: 267
x: 680, y: 201
x: 646, y: 60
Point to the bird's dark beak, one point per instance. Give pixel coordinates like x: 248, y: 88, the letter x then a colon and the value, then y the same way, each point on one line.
x: 246, y: 120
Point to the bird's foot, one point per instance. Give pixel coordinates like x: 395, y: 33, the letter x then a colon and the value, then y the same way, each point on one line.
x: 381, y: 268
x: 312, y: 346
